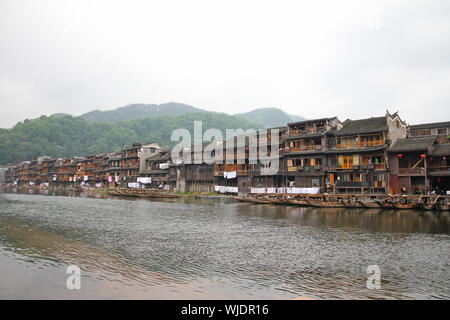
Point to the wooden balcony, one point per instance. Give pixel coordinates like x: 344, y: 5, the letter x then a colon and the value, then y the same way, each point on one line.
x: 440, y: 169
x: 359, y: 145
x: 412, y: 171
x: 304, y: 148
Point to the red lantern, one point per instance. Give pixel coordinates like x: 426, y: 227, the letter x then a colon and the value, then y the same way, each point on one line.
x: 281, y: 149
x: 423, y: 156
x: 400, y: 156
x: 444, y: 158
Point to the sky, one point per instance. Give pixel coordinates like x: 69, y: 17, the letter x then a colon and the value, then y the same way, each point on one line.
x: 351, y: 59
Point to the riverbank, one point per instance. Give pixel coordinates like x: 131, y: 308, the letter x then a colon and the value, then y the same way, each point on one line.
x: 438, y: 203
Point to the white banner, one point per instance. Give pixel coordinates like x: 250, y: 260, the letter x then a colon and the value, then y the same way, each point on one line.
x: 257, y: 190
x: 144, y: 180
x: 134, y: 185
x: 231, y: 189
x: 164, y: 166
x: 231, y: 175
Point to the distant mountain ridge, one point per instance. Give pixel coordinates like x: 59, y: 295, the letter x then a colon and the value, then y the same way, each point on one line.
x: 270, y: 117
x: 267, y: 117
x: 139, y: 111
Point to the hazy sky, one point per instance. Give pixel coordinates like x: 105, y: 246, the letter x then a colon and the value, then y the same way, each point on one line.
x: 352, y: 59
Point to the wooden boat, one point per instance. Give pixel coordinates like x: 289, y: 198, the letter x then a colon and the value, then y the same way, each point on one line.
x: 442, y: 206
x: 385, y: 204
x: 135, y: 194
x: 350, y: 204
x: 160, y: 195
x: 405, y: 206
x: 429, y: 205
x: 238, y: 198
x: 296, y: 202
x: 369, y: 204
x: 402, y: 203
x: 324, y: 204
x: 426, y: 206
x: 251, y: 199
x: 114, y: 193
x: 258, y: 200
x: 273, y: 200
x: 267, y: 200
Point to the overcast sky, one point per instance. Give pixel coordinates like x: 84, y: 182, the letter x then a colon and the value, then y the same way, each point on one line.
x: 352, y: 59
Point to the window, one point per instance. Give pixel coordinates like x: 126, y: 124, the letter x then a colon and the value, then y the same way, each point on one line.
x: 315, y: 182
x: 442, y: 131
x: 346, y: 161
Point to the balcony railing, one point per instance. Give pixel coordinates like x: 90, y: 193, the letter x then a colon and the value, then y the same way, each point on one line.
x: 362, y: 144
x: 363, y: 166
x: 440, y: 168
x: 416, y: 170
x: 304, y: 148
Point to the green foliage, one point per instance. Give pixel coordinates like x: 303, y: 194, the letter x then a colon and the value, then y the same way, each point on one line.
x: 270, y: 117
x: 67, y: 136
x: 139, y: 111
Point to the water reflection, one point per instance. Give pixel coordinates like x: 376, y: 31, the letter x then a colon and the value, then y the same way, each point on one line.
x: 189, y: 248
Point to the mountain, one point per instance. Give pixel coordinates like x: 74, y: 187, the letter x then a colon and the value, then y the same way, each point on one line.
x: 67, y: 136
x: 139, y: 111
x: 267, y: 117
x: 270, y: 117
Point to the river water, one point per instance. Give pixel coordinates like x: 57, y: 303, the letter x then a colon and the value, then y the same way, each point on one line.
x: 216, y: 249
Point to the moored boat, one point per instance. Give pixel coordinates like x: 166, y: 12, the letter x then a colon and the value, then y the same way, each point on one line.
x: 405, y: 206
x: 273, y: 200
x: 385, y: 204
x: 351, y: 204
x: 442, y: 206
x: 251, y: 199
x: 324, y: 204
x: 369, y: 204
x: 296, y: 202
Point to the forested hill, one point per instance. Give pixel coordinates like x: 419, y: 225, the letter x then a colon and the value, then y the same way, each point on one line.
x: 67, y: 136
x: 139, y: 111
x: 270, y: 117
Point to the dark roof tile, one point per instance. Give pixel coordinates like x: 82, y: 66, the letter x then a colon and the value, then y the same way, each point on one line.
x: 430, y: 125
x: 370, y: 125
x: 441, y: 150
x: 412, y: 144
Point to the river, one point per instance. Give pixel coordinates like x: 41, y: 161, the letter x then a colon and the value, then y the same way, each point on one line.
x: 216, y: 249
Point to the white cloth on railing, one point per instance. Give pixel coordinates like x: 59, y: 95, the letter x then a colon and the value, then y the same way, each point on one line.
x: 144, y: 180
x: 281, y: 190
x: 257, y: 190
x: 231, y: 175
x: 134, y: 185
x: 231, y: 189
x: 164, y: 166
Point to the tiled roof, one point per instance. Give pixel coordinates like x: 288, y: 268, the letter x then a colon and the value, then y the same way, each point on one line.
x: 370, y: 125
x: 311, y: 121
x: 412, y: 144
x: 430, y: 125
x: 441, y: 150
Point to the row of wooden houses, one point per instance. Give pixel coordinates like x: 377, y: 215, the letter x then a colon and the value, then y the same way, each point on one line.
x: 375, y: 155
